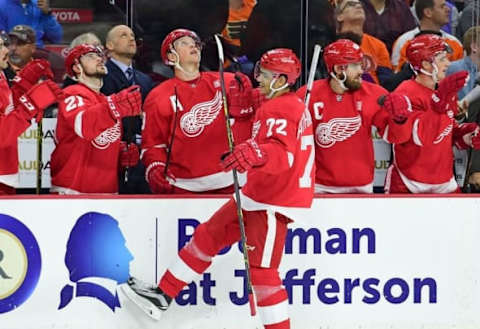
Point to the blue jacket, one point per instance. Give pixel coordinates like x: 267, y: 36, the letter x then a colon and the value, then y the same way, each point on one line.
x: 46, y: 26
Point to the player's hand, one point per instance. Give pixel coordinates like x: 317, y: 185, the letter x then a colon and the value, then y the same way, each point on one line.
x: 129, y: 155
x: 126, y: 103
x: 239, y: 97
x: 27, y: 77
x: 157, y: 180
x: 397, y: 106
x: 38, y: 98
x: 244, y: 157
x: 444, y: 99
x: 466, y: 135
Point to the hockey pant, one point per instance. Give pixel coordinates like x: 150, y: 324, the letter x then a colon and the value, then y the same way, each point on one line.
x: 265, y: 231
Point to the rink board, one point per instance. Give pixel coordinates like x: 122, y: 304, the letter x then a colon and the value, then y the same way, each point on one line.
x: 349, y: 263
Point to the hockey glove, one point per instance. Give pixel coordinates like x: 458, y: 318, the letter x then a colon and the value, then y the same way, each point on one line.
x: 125, y: 103
x: 30, y: 74
x: 466, y: 136
x: 244, y: 157
x: 129, y: 155
x: 239, y: 97
x: 397, y: 106
x: 38, y: 98
x: 155, y: 176
x: 444, y: 99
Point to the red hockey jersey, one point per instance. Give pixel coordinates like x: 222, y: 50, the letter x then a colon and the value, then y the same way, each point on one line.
x: 344, y: 154
x: 425, y: 161
x: 199, y: 128
x: 283, y: 128
x: 85, y: 159
x: 12, y: 124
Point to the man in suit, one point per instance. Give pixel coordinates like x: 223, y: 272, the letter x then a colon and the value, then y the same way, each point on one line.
x: 121, y: 46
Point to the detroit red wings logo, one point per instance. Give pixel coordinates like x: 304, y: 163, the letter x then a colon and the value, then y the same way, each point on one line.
x: 443, y: 134
x: 201, y: 115
x: 336, y: 130
x: 109, y: 136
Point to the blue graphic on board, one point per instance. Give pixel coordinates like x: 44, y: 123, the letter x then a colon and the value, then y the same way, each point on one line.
x: 97, y: 259
x: 20, y: 263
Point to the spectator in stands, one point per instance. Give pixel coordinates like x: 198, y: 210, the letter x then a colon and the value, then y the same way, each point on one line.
x: 88, y: 38
x: 238, y: 14
x: 350, y: 17
x: 88, y: 154
x: 34, y: 13
x: 454, y: 16
x: 468, y: 17
x: 26, y: 100
x: 21, y: 48
x: 184, y: 131
x: 122, y: 47
x: 387, y: 19
x: 432, y: 14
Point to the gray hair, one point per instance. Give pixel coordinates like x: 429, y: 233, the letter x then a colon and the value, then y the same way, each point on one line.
x: 88, y: 38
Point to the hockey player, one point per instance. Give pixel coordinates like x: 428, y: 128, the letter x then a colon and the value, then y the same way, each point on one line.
x: 279, y: 159
x: 184, y: 117
x: 344, y: 109
x: 424, y: 163
x: 88, y: 152
x: 18, y: 106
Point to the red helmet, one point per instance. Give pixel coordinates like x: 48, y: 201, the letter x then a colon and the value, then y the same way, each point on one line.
x: 282, y: 61
x: 74, y: 55
x: 342, y: 52
x: 424, y: 48
x: 167, y: 43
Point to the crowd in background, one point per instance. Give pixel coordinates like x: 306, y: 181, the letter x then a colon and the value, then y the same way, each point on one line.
x: 383, y: 29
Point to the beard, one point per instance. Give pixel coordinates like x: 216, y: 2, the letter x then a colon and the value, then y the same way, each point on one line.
x: 353, y: 84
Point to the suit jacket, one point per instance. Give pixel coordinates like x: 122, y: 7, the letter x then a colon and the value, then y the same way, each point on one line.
x: 114, y: 82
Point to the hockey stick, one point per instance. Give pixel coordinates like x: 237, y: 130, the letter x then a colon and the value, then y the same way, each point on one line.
x: 235, y: 178
x: 172, y: 138
x: 311, y: 73
x: 39, y: 156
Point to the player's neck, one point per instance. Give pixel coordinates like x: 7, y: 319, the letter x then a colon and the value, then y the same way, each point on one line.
x: 187, y: 72
x: 425, y: 81
x: 93, y: 83
x: 336, y: 87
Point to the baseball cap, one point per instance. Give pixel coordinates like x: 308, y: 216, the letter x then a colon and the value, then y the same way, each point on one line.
x: 24, y: 33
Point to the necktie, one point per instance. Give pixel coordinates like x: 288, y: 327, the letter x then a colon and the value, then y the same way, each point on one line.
x: 129, y: 75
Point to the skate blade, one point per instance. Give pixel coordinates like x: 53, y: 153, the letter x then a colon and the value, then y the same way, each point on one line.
x: 147, y: 307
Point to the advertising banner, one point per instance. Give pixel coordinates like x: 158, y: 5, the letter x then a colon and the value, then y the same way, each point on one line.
x: 376, y: 263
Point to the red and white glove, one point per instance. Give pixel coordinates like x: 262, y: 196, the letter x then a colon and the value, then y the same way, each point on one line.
x: 31, y: 73
x: 157, y: 180
x: 444, y: 99
x: 38, y: 98
x: 125, y: 103
x: 129, y: 155
x: 397, y: 106
x: 467, y: 135
x: 245, y: 156
x: 239, y: 97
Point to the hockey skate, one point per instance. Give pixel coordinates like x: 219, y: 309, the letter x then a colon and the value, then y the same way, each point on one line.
x: 150, y: 299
